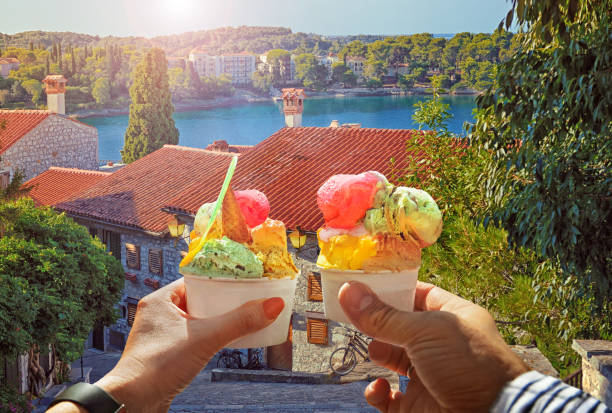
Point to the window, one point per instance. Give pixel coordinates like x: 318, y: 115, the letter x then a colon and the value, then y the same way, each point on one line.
x: 5, y: 179
x: 132, y: 305
x: 156, y: 261
x: 112, y: 240
x: 315, y: 293
x: 132, y: 256
x: 316, y: 330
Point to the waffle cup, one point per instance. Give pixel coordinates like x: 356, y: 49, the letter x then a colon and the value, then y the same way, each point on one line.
x: 395, y: 288
x: 209, y: 297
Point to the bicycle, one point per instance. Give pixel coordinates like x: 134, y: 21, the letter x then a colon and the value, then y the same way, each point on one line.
x: 343, y: 360
x: 230, y: 359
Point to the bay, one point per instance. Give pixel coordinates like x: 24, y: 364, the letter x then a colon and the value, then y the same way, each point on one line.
x: 249, y: 124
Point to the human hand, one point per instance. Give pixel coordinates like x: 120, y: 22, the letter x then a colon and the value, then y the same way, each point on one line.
x: 167, y: 347
x: 449, y: 347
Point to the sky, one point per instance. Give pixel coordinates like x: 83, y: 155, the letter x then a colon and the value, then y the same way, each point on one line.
x: 151, y: 18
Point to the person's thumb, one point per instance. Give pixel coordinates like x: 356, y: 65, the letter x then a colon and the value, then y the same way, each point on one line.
x: 377, y: 319
x: 248, y: 318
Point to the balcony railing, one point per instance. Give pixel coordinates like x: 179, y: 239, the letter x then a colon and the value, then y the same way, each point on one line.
x: 574, y: 379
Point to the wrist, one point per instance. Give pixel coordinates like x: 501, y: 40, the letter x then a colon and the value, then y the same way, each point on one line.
x: 129, y: 391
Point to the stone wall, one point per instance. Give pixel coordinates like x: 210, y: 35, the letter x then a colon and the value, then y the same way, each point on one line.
x: 56, y: 141
x: 596, y: 368
x: 136, y: 288
x: 308, y: 357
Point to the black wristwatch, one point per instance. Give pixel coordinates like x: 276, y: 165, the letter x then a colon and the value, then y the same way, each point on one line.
x: 91, y: 397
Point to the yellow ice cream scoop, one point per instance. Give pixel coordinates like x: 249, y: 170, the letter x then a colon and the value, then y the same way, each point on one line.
x: 346, y: 252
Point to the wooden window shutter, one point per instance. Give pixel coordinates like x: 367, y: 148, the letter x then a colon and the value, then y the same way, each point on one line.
x: 316, y: 331
x: 315, y: 293
x: 156, y: 262
x: 5, y: 179
x: 131, y: 313
x: 132, y: 256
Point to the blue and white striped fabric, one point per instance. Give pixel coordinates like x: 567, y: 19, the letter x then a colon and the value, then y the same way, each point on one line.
x: 534, y: 392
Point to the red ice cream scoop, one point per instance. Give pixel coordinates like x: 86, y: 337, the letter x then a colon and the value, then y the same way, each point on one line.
x: 254, y: 206
x: 344, y: 199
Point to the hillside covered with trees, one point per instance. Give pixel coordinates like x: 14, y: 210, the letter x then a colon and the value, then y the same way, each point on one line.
x: 99, y: 70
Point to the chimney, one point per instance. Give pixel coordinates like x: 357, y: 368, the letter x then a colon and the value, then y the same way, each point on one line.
x: 56, y: 90
x: 293, y: 106
x: 334, y: 124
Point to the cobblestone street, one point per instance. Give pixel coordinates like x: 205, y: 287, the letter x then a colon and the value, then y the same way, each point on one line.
x: 205, y: 396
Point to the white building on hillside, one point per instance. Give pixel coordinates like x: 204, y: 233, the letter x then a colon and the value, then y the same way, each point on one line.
x: 239, y: 66
x: 328, y: 61
x: 356, y: 63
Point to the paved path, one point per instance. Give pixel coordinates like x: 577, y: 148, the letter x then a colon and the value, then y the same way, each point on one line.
x: 204, y: 396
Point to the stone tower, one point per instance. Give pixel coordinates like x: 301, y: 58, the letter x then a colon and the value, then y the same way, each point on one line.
x: 293, y: 106
x: 56, y: 92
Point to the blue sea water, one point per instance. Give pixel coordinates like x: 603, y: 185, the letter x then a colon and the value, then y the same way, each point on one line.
x: 249, y: 124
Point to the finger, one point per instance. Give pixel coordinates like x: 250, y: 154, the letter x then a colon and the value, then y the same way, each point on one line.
x: 390, y: 357
x: 378, y: 394
x: 379, y: 320
x: 246, y: 319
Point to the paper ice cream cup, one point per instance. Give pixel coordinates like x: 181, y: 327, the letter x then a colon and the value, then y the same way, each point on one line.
x: 210, y: 297
x: 394, y: 288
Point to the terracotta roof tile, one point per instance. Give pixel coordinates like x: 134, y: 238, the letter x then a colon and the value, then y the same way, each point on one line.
x: 134, y: 195
x: 17, y: 123
x: 291, y: 165
x: 60, y: 184
x: 20, y: 122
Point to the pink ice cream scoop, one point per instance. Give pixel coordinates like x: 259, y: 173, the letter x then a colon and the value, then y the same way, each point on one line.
x: 254, y: 206
x: 344, y: 199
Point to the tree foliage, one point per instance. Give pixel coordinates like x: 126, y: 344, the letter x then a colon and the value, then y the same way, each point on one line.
x: 309, y: 71
x: 56, y: 282
x: 548, y: 123
x: 150, y: 125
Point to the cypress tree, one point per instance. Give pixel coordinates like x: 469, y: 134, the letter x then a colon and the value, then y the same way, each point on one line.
x: 151, y: 125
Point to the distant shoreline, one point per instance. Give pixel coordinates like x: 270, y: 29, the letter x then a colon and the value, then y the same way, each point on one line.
x: 222, y: 102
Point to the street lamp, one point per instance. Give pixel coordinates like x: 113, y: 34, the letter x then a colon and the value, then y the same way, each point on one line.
x: 176, y: 229
x: 297, y: 238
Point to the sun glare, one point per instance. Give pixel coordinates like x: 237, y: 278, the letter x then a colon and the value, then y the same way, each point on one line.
x: 178, y: 9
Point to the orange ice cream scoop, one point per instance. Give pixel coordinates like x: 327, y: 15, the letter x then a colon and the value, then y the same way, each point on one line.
x: 269, y: 243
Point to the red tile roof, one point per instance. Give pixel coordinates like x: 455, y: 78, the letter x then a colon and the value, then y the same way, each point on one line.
x: 59, y: 184
x: 134, y: 195
x: 291, y: 165
x: 8, y: 60
x: 19, y: 122
x: 222, y: 146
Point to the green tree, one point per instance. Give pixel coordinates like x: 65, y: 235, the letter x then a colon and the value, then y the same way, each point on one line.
x: 150, y: 125
x: 349, y: 79
x: 101, y: 91
x: 548, y: 123
x: 338, y: 69
x: 356, y: 48
x: 262, y: 81
x: 433, y: 112
x: 279, y: 62
x: 193, y: 83
x: 34, y: 89
x: 309, y: 71
x: 56, y: 284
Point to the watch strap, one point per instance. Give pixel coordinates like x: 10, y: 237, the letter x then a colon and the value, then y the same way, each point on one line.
x: 91, y: 397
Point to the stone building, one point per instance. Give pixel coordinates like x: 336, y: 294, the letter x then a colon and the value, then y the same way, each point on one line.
x: 124, y: 210
x: 356, y: 64
x: 35, y: 140
x: 7, y: 64
x: 239, y: 66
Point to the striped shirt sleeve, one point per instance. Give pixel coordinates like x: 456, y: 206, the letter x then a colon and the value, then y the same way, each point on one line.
x: 534, y: 392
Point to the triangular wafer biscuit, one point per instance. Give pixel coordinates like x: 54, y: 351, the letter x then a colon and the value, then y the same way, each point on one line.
x: 234, y: 224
